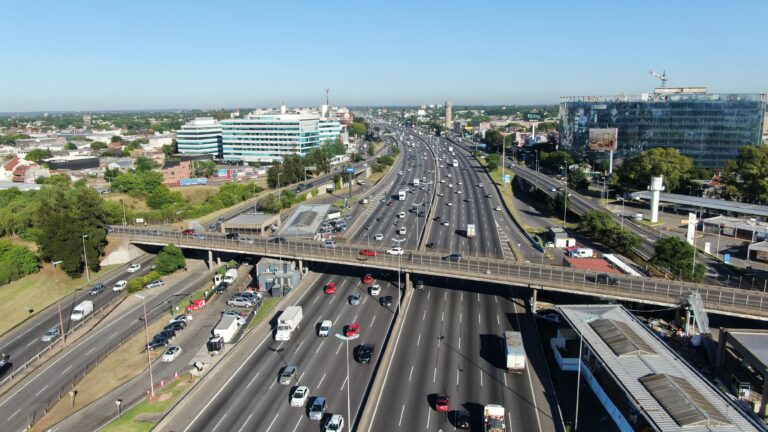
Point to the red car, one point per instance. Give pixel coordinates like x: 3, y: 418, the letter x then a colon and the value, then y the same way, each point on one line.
x: 195, y: 305
x: 351, y: 330
x: 441, y: 403
x: 368, y: 252
x: 368, y: 279
x: 330, y: 288
x: 188, y: 232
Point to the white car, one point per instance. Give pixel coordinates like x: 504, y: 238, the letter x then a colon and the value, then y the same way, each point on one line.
x: 325, y: 328
x: 375, y: 289
x: 401, y: 215
x: 458, y: 191
x: 445, y: 223
x: 450, y: 185
x: 335, y: 423
x: 300, y: 396
x: 378, y: 237
x: 120, y: 285
x: 401, y: 231
x: 238, y: 317
x: 183, y: 317
x: 449, y: 203
x: 133, y: 268
x: 171, y: 353
x: 498, y: 208
x: 442, y: 180
x: 396, y: 250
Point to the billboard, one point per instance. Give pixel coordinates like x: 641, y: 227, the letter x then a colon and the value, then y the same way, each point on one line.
x: 603, y: 139
x: 222, y: 173
x: 534, y: 116
x: 193, y: 181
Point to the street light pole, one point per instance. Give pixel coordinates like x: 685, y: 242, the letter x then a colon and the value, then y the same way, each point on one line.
x: 85, y: 258
x: 346, y: 340
x: 58, y: 299
x: 565, y: 195
x: 399, y: 270
x: 146, y: 338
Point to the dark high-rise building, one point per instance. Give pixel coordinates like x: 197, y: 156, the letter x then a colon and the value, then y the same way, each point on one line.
x: 709, y: 128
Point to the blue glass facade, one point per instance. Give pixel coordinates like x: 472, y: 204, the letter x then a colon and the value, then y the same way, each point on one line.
x: 709, y: 128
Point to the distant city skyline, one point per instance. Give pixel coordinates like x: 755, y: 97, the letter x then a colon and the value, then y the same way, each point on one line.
x: 142, y: 55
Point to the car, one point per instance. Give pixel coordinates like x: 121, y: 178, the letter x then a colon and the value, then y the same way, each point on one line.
x: 364, y: 353
x: 431, y: 244
x: 401, y: 231
x: 449, y: 203
x: 51, y: 334
x: 253, y: 296
x: 397, y: 250
x: 461, y: 419
x: 325, y: 328
x: 441, y: 403
x: 422, y: 213
x: 329, y: 244
x: 389, y: 204
x: 279, y: 240
x: 420, y: 284
x: 378, y: 237
x: 300, y: 396
x: 183, y: 317
x: 133, y: 268
x: 453, y: 257
x: 606, y: 279
x: 368, y: 252
x: 171, y: 353
x: 335, y: 423
x: 379, y: 219
x: 330, y: 288
x: 157, y: 342
x: 221, y: 287
x: 440, y: 194
x: 553, y: 189
x: 459, y: 183
x: 444, y: 223
x: 239, y: 318
x: 354, y: 299
x: 188, y: 232
x: 479, y: 185
x: 351, y: 330
x: 401, y: 215
x: 375, y: 289
x: 317, y: 408
x: 199, y: 236
x: 488, y: 196
x: 287, y: 375
x: 157, y: 283
x: 97, y: 289
x: 386, y: 301
x: 497, y: 208
x: 238, y: 301
x: 120, y: 285
x: 442, y: 180
x: 168, y: 334
x: 368, y: 279
x: 195, y: 305
x: 175, y: 326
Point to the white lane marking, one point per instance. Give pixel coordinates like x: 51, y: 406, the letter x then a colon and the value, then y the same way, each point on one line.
x: 402, y: 410
x: 299, y: 347
x: 498, y: 322
x: 252, y: 380
x: 461, y: 297
x: 272, y: 385
x: 442, y: 316
x: 478, y: 318
x: 245, y: 423
x: 33, y: 341
x: 374, y: 319
x: 337, y: 318
x: 481, y: 377
x: 219, y: 422
x: 319, y: 346
x: 505, y: 379
x: 301, y: 376
x: 457, y: 377
x: 41, y: 390
x: 65, y: 370
x: 434, y: 375
x: 297, y: 424
x: 429, y: 412
x: 410, y: 374
x: 17, y: 411
x: 478, y: 297
x: 344, y: 383
x: 428, y: 293
x: 423, y: 317
x: 273, y: 421
x: 339, y: 348
x: 459, y: 342
x: 316, y: 298
x: 321, y: 381
x: 460, y: 317
x: 90, y: 351
x: 355, y: 318
x: 418, y: 341
x: 445, y: 295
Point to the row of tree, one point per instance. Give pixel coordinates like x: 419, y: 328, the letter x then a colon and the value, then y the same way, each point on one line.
x: 292, y: 168
x: 601, y: 226
x: 16, y: 261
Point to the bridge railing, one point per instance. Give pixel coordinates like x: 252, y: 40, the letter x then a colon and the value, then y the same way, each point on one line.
x: 644, y: 289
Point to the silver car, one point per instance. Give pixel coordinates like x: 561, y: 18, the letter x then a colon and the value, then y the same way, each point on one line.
x: 317, y: 409
x: 51, y: 334
x: 329, y: 244
x: 239, y: 302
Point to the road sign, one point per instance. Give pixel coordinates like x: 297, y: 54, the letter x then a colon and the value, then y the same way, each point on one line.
x: 726, y: 258
x: 350, y: 170
x: 534, y: 116
x: 506, y: 178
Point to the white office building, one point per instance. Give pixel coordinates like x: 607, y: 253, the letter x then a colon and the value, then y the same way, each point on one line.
x: 200, y: 136
x: 267, y: 137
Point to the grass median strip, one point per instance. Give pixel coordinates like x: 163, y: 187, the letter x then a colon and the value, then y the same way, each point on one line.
x: 267, y: 305
x: 145, y: 415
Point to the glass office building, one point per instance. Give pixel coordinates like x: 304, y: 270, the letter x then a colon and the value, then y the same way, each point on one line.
x: 709, y: 128
x: 200, y: 136
x: 269, y: 137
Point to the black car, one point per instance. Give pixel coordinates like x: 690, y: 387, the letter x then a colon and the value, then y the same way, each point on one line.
x: 97, y: 289
x: 157, y: 342
x: 279, y: 240
x: 167, y: 334
x: 454, y: 257
x: 461, y: 419
x: 431, y: 244
x: 386, y: 301
x: 605, y: 278
x: 221, y: 287
x: 364, y: 353
x: 176, y: 326
x: 232, y: 236
x: 379, y: 219
x: 422, y: 213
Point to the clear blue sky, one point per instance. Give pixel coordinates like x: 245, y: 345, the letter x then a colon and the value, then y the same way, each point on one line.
x: 104, y: 54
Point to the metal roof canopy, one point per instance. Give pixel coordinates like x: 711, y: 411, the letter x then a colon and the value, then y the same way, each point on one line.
x: 627, y: 370
x: 622, y: 339
x: 710, y: 203
x: 305, y: 221
x: 755, y: 342
x: 682, y: 402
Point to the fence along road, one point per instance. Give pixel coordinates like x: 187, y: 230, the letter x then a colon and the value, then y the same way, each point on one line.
x: 723, y: 300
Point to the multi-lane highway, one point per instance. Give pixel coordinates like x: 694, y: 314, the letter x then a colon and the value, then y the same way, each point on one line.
x: 247, y: 396
x: 451, y: 343
x: 24, y: 342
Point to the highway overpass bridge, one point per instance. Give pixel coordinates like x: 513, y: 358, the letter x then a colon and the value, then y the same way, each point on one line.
x: 722, y: 300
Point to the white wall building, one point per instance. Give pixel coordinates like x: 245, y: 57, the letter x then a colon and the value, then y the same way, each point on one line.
x: 200, y: 136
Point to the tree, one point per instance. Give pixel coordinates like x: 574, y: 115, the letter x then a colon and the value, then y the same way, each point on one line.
x: 170, y: 259
x: 98, y: 145
x: 356, y: 157
x: 204, y: 168
x: 269, y: 204
x: 601, y: 226
x: 746, y: 177
x: 636, y: 172
x: 493, y: 141
x: 493, y: 161
x: 16, y: 261
x: 577, y: 180
x: 357, y: 129
x: 144, y: 164
x: 370, y: 150
x: 116, y: 138
x: 38, y: 154
x: 70, y: 146
x: 161, y: 197
x: 385, y: 160
x: 556, y: 160
x: 676, y: 255
x: 111, y: 173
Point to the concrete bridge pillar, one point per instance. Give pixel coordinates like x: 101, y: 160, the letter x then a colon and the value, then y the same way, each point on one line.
x: 408, y: 284
x: 301, y: 266
x: 218, y: 260
x: 764, y: 398
x: 722, y: 340
x: 210, y: 260
x: 534, y: 297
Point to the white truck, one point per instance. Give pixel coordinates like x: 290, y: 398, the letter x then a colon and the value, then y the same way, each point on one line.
x: 415, y: 182
x: 226, y: 328
x: 514, y: 351
x: 583, y: 253
x: 82, y: 310
x: 401, y: 194
x: 230, y: 276
x: 288, y: 322
x: 470, y: 230
x: 493, y: 418
x: 450, y: 149
x: 455, y: 163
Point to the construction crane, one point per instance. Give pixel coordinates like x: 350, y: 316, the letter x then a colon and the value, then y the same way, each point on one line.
x: 662, y: 77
